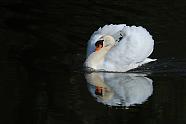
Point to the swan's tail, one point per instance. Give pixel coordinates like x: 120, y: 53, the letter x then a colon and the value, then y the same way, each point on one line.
x: 147, y: 60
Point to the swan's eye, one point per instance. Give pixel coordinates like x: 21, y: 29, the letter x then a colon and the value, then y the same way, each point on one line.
x: 99, y: 42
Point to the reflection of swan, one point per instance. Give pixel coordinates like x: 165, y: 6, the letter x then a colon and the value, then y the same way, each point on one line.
x: 119, y: 48
x: 117, y: 89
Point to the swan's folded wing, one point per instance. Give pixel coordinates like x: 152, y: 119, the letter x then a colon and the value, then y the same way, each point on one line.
x: 135, y: 47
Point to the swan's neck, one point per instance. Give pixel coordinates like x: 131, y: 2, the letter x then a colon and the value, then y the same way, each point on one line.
x: 96, y: 59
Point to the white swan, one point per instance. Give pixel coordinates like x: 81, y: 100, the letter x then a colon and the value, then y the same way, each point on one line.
x: 119, y: 89
x: 119, y: 48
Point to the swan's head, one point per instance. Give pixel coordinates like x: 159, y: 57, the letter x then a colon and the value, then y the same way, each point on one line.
x: 105, y: 41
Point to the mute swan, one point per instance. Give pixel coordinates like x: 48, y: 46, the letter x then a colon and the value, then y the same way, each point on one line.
x: 119, y: 89
x: 119, y: 48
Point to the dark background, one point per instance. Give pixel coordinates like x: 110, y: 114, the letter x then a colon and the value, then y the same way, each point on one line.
x: 43, y: 46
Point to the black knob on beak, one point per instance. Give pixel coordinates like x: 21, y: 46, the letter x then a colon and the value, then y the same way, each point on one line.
x: 99, y: 42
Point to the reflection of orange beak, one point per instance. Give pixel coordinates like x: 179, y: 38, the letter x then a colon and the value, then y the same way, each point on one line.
x: 98, y: 47
x: 99, y: 91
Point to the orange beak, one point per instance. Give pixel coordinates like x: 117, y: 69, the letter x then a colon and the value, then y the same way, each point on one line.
x: 98, y: 47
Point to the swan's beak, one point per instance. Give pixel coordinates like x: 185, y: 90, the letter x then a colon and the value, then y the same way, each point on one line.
x: 98, y: 47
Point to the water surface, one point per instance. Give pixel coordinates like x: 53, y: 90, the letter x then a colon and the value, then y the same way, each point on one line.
x: 43, y: 47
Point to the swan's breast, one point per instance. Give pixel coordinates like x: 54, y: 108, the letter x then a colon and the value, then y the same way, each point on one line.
x: 95, y: 61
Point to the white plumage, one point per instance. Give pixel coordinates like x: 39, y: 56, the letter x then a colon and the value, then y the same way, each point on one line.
x: 120, y: 89
x: 130, y: 52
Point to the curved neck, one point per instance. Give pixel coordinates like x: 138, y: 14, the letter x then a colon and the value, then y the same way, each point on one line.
x: 96, y: 59
x: 101, y: 53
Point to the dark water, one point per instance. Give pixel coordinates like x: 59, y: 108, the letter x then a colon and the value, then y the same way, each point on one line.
x: 43, y: 47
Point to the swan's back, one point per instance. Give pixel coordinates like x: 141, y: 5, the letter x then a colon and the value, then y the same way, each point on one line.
x: 136, y: 45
